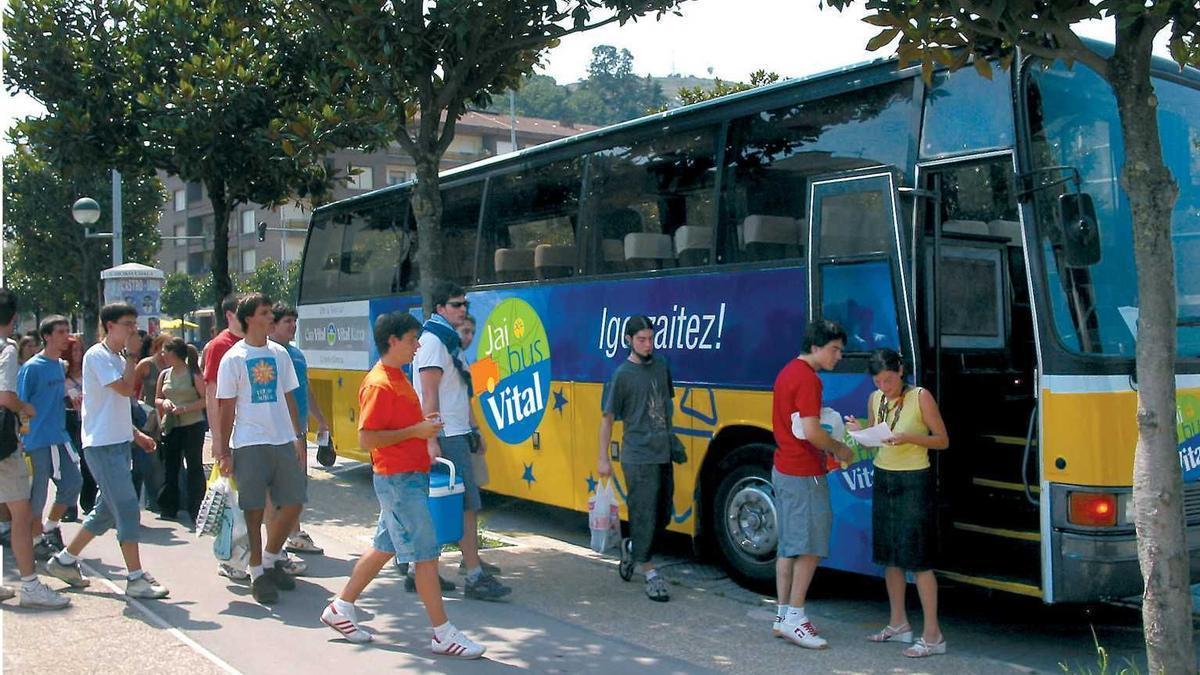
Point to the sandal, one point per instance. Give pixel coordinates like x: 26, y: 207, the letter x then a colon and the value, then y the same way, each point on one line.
x: 901, y: 633
x: 921, y: 648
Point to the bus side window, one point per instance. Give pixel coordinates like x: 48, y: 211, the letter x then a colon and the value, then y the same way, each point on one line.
x: 529, y: 225
x: 460, y: 231
x: 771, y: 155
x: 652, y: 202
x: 323, y: 259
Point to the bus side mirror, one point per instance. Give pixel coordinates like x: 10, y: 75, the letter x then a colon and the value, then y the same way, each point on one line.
x: 1080, y: 232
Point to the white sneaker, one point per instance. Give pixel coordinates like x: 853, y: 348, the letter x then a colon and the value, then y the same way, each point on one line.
x: 7, y: 593
x: 457, y: 645
x: 40, y: 596
x: 233, y: 573
x: 302, y: 543
x: 777, y: 627
x: 145, y: 586
x: 803, y: 634
x: 345, y: 623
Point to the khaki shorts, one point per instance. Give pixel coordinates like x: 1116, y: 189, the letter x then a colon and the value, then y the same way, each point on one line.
x: 14, y: 478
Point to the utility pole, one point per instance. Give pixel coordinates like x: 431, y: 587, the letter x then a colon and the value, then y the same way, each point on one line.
x: 118, y: 250
x: 512, y: 118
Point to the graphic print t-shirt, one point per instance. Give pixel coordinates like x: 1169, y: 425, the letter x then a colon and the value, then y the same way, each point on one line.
x: 259, y: 378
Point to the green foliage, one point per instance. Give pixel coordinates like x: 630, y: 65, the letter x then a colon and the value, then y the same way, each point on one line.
x: 277, y: 283
x: 47, y: 259
x: 230, y: 95
x: 1103, y: 664
x: 418, y: 66
x: 179, y: 295
x: 611, y: 93
x: 690, y: 95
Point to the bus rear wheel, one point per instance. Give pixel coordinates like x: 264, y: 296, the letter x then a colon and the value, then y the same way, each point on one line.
x: 743, y: 514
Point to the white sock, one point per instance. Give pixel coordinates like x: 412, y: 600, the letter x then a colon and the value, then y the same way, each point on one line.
x: 795, y: 615
x: 782, y: 612
x: 651, y: 574
x: 50, y: 526
x: 30, y: 582
x: 443, y: 631
x: 65, y: 558
x: 343, y: 607
x: 270, y: 558
x: 134, y: 575
x: 474, y: 573
x: 256, y: 571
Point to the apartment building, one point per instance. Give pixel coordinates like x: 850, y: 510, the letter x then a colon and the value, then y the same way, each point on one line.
x: 188, y: 212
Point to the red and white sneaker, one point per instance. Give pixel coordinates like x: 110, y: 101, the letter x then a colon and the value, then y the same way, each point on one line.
x: 345, y: 624
x: 457, y: 645
x: 804, y: 634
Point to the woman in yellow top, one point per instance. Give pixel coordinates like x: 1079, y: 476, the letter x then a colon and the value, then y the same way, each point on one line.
x: 902, y: 513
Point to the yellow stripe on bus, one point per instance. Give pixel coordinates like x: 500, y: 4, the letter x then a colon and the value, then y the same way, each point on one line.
x: 996, y: 584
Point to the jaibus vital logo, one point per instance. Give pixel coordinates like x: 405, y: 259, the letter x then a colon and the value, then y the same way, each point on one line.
x: 512, y: 372
x: 331, y: 335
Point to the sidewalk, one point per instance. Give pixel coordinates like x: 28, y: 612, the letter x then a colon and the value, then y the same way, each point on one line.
x: 569, y: 613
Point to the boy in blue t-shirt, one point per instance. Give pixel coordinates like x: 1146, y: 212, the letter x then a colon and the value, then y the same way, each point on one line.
x: 40, y: 383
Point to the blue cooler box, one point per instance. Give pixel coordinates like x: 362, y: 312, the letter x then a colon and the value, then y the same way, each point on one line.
x: 446, y: 502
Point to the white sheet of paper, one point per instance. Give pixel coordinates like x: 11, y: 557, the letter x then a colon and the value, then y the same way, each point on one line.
x: 872, y: 437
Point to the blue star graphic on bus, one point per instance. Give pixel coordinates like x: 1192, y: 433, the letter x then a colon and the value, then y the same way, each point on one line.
x: 592, y: 483
x: 528, y: 476
x: 560, y: 401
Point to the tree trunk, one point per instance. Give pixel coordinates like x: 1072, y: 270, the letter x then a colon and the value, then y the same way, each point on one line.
x: 222, y: 285
x: 1157, y: 477
x: 427, y: 208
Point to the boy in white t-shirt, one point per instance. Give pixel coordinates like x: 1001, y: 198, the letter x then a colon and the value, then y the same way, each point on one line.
x: 109, y: 378
x: 260, y: 443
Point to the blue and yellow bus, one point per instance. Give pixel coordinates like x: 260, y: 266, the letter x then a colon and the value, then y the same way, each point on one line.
x: 939, y: 219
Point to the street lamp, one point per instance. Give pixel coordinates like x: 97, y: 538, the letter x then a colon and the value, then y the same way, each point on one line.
x: 86, y: 212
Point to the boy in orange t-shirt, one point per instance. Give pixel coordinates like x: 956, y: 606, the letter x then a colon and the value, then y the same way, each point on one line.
x: 393, y: 428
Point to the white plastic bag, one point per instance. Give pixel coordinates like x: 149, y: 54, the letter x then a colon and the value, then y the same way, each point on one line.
x: 231, y: 543
x: 831, y: 421
x: 604, y: 518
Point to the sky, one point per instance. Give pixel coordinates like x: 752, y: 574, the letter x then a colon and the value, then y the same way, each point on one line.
x: 725, y: 38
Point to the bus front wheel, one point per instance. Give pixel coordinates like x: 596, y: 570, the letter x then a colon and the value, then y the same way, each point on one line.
x: 743, y: 514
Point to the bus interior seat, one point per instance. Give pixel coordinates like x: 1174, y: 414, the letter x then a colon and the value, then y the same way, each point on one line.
x: 612, y: 255
x: 692, y: 244
x: 553, y: 262
x: 770, y: 237
x: 1007, y: 229
x: 968, y: 227
x: 514, y: 264
x: 648, y: 250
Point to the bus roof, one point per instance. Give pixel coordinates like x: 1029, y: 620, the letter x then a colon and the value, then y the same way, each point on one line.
x: 1160, y: 65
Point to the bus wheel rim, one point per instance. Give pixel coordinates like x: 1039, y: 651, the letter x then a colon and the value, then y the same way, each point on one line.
x: 750, y: 518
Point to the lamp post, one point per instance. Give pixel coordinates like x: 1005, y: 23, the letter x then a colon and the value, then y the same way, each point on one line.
x: 86, y: 212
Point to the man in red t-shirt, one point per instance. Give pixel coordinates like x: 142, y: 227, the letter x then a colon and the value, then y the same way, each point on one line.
x: 392, y: 426
x: 804, y: 516
x: 210, y: 361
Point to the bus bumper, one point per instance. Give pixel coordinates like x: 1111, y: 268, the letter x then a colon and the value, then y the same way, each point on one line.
x: 1094, y: 568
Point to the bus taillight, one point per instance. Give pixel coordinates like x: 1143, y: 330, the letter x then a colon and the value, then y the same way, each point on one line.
x: 1092, y: 509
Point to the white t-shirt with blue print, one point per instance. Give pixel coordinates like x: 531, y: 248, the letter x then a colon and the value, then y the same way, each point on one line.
x: 259, y: 378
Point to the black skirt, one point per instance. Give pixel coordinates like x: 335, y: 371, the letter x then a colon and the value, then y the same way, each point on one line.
x: 902, y: 519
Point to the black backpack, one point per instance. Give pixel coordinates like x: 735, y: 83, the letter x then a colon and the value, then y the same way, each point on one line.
x: 9, y: 439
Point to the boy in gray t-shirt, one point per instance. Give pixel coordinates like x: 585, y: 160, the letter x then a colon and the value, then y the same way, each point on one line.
x: 639, y: 395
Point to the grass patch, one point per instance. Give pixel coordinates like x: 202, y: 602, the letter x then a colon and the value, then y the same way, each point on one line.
x: 1104, y: 665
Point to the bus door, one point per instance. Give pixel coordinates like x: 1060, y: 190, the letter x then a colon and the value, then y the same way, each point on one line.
x: 857, y: 278
x: 978, y: 358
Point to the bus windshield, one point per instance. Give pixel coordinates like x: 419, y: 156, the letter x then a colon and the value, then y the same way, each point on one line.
x: 1074, y: 123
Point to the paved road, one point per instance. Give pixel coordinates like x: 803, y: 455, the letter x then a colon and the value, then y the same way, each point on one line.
x: 568, y: 613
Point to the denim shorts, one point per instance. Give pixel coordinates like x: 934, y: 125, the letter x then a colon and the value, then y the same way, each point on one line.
x: 804, y: 513
x: 457, y: 449
x: 405, y: 524
x: 117, y: 504
x: 67, y: 483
